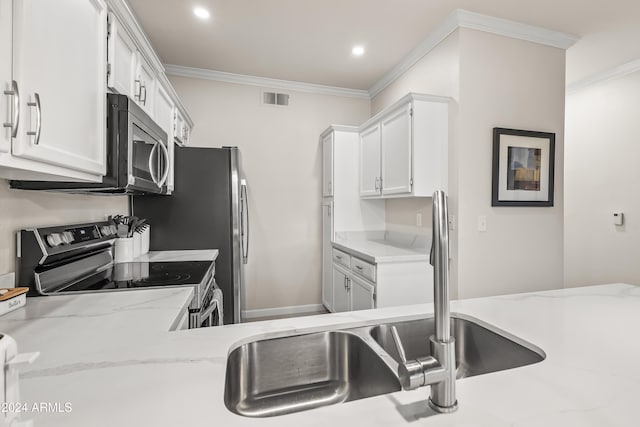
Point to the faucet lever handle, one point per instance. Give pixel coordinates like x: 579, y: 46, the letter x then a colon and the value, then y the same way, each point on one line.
x: 398, y: 342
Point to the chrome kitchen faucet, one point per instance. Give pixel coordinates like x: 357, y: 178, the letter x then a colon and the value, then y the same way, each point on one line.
x: 439, y: 370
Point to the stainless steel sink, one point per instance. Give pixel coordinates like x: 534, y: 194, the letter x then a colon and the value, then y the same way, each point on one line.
x: 284, y: 375
x: 480, y: 347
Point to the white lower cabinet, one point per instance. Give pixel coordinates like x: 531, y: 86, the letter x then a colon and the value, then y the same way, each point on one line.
x: 351, y: 291
x: 362, y: 285
x: 341, y: 296
x: 363, y: 294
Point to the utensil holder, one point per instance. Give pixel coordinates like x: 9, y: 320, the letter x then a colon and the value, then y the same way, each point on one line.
x: 123, y: 249
x: 144, y: 240
x: 136, y: 244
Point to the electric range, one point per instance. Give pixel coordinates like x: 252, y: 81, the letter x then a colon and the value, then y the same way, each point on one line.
x: 78, y: 258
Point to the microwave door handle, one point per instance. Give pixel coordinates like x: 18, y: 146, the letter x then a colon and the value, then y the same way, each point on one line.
x: 245, y: 220
x: 165, y: 174
x: 152, y: 168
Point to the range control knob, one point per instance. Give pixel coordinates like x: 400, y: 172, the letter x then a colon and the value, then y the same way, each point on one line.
x: 113, y: 229
x: 67, y: 237
x: 105, y: 230
x: 54, y: 239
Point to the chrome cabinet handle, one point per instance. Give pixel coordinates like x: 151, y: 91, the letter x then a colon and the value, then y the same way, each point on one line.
x: 329, y: 186
x: 16, y: 109
x: 338, y: 256
x: 165, y: 174
x: 144, y: 101
x: 38, y: 118
x: 358, y: 267
x: 152, y: 168
x: 139, y: 90
x: 345, y: 282
x: 377, y: 185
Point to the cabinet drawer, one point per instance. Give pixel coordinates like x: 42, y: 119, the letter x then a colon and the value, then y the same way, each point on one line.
x: 341, y: 258
x: 364, y: 269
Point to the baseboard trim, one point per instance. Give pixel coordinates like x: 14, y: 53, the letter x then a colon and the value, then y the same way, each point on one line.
x: 282, y: 311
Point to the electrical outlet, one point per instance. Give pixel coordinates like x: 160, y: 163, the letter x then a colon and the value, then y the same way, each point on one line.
x: 419, y: 219
x: 452, y: 222
x: 482, y: 223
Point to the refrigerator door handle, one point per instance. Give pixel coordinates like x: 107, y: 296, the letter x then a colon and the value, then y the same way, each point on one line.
x: 244, y: 221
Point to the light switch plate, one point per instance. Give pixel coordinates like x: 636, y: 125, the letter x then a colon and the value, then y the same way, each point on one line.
x: 618, y: 218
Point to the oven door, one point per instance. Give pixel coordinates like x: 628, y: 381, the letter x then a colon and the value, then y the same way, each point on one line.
x: 148, y: 165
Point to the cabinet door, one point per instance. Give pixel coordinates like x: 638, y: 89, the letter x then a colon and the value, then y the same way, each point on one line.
x: 362, y: 294
x: 164, y: 118
x: 7, y: 115
x: 122, y: 60
x: 59, y: 62
x: 146, y: 81
x: 370, y: 161
x: 340, y: 293
x: 396, y: 151
x: 327, y: 165
x: 327, y: 264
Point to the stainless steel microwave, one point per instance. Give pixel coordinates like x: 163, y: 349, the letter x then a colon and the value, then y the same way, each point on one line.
x: 137, y: 155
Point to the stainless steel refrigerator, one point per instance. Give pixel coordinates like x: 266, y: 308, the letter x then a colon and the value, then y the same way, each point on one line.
x: 207, y: 210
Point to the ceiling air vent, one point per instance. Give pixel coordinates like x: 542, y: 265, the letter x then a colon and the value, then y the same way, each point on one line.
x: 273, y: 98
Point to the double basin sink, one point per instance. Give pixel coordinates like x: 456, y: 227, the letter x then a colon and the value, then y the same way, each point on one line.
x: 279, y: 376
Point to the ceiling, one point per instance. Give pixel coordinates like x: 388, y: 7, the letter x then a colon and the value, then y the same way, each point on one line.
x: 310, y: 40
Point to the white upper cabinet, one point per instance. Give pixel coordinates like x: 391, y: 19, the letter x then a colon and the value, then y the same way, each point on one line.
x: 404, y: 148
x: 395, y: 130
x: 327, y: 165
x: 122, y: 59
x: 370, y: 161
x: 59, y: 51
x: 182, y: 131
x: 7, y: 112
x: 145, y: 85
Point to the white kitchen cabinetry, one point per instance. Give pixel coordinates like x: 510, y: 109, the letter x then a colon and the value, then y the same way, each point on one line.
x: 362, y: 293
x: 370, y: 161
x: 7, y: 118
x: 395, y: 132
x: 164, y: 110
x: 129, y: 72
x: 368, y: 284
x: 342, y: 208
x: 145, y: 85
x: 351, y: 291
x: 341, y: 295
x: 404, y: 148
x: 182, y: 129
x: 122, y: 59
x: 327, y: 165
x: 60, y: 77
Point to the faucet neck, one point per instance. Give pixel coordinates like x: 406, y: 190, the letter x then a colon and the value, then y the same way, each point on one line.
x: 440, y: 262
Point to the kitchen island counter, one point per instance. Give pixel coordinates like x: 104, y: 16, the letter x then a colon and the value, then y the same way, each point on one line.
x: 114, y: 375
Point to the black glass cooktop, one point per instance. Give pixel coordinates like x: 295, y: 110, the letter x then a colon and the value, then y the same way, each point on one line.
x: 143, y: 275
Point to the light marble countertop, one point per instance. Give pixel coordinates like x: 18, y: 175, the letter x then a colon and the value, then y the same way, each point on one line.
x: 380, y: 250
x: 111, y: 357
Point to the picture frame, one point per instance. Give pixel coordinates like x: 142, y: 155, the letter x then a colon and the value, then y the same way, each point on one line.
x: 523, y: 168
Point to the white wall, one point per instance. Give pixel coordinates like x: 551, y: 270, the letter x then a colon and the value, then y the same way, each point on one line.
x: 509, y: 83
x: 22, y: 209
x: 602, y: 176
x: 281, y: 156
x: 494, y: 81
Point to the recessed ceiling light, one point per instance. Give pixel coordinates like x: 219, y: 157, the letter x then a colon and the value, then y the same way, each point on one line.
x: 357, y: 50
x: 201, y: 13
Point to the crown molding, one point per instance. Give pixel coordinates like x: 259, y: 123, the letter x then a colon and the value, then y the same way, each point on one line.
x: 221, y: 76
x: 515, y: 30
x: 464, y: 19
x: 611, y: 73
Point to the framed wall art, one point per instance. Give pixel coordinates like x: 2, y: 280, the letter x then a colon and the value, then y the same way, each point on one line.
x: 523, y: 167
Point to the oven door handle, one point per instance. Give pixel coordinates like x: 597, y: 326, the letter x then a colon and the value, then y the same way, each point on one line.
x: 204, y: 315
